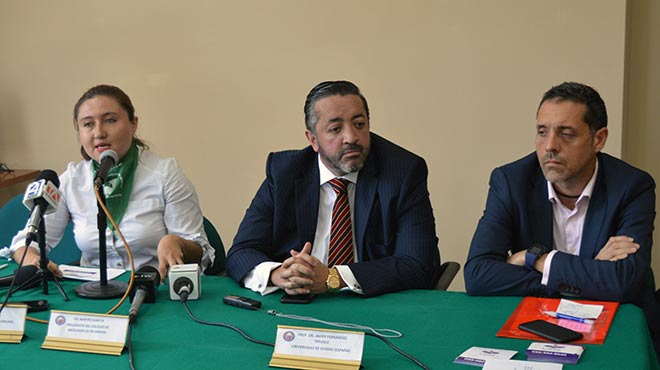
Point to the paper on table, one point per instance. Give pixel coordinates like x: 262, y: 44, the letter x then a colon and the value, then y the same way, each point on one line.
x: 583, y: 311
x: 88, y: 273
x: 477, y: 356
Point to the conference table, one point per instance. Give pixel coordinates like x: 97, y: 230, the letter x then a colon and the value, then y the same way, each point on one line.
x: 437, y: 326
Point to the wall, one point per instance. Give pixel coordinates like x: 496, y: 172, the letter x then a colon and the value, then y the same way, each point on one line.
x: 219, y: 84
x: 642, y: 113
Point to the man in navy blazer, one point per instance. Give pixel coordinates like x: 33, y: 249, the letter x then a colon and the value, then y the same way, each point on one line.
x: 568, y: 220
x: 282, y: 242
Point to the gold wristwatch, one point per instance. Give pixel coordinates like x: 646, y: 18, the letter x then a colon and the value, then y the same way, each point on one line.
x: 333, y: 282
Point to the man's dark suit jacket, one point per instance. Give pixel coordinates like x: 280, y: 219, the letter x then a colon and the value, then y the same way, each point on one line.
x: 394, y: 227
x: 519, y: 214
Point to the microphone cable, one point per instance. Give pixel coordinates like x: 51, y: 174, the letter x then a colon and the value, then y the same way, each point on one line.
x: 13, y: 280
x: 129, y: 335
x: 377, y: 333
x: 385, y: 333
x: 128, y: 251
x: 398, y: 350
x: 184, y: 300
x: 129, y: 345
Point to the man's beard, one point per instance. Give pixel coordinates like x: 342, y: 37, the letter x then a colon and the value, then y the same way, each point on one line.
x: 354, y: 165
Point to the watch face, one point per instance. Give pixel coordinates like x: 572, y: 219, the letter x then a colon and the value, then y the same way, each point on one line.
x: 334, y: 283
x: 536, y: 249
x: 333, y: 279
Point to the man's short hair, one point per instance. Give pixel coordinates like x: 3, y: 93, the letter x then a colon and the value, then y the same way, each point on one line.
x: 595, y: 115
x: 324, y: 90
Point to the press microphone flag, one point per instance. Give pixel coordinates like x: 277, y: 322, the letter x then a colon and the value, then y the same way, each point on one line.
x: 41, y: 198
x: 107, y: 160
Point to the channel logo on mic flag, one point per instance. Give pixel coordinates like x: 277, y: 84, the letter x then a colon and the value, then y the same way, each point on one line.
x: 42, y: 189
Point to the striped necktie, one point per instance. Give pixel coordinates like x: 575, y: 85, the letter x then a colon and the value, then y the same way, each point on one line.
x: 341, y: 230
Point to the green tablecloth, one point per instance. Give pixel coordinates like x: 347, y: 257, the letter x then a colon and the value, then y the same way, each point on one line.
x: 436, y: 325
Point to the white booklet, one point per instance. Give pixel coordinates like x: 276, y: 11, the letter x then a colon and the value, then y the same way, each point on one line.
x: 477, y: 356
x: 88, y: 273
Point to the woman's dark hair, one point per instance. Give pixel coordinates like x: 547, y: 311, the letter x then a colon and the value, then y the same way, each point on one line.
x: 120, y: 97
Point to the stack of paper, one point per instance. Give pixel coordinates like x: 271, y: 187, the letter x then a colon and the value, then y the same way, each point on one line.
x: 88, y: 273
x: 554, y: 352
x: 477, y: 356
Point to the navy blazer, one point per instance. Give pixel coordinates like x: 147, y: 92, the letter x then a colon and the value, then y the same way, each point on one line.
x: 519, y: 214
x: 393, y: 220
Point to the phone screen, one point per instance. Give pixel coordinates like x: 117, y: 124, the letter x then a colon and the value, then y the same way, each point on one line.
x: 550, y: 331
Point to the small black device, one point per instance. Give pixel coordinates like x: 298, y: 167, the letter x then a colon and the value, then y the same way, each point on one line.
x: 298, y: 298
x: 35, y: 306
x: 550, y: 331
x: 242, y: 302
x: 148, y: 279
x: 533, y: 254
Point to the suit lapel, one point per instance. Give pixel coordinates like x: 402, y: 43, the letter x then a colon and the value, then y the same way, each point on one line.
x: 541, y: 211
x: 595, y: 218
x: 365, y: 192
x: 307, y: 203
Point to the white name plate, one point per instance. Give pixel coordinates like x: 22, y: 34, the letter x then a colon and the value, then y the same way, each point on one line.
x: 307, y: 348
x: 12, y: 323
x: 86, y: 332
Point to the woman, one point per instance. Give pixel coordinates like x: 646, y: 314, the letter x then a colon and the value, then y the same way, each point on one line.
x: 152, y: 201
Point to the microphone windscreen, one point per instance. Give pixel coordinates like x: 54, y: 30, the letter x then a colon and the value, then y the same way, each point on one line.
x: 109, y: 153
x: 49, y: 175
x: 25, y: 274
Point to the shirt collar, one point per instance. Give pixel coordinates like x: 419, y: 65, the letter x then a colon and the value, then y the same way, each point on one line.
x: 586, y: 192
x: 327, y: 175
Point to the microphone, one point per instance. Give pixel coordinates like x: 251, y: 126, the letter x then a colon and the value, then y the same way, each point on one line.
x: 22, y: 276
x: 107, y: 160
x: 185, y: 282
x: 41, y: 197
x: 145, y: 284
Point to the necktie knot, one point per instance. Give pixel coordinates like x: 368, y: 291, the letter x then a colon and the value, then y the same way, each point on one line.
x: 339, y: 185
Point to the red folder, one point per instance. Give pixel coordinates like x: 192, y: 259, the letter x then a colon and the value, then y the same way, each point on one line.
x: 531, y: 308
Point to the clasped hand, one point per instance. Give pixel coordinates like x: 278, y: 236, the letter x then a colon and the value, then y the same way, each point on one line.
x: 301, y: 273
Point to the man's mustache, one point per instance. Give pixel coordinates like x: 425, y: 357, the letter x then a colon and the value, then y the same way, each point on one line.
x: 553, y: 157
x: 350, y: 147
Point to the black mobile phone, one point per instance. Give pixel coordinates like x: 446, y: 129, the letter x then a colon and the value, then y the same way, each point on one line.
x: 242, y: 302
x: 550, y: 331
x: 298, y: 298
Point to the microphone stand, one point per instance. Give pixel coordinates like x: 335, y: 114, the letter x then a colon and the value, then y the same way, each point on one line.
x: 102, y: 289
x: 44, y: 271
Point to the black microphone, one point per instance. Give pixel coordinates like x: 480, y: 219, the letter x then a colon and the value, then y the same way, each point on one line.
x: 41, y: 198
x: 107, y: 160
x: 145, y: 284
x: 23, y: 275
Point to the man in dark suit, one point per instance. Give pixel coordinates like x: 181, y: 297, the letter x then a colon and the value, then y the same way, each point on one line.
x: 288, y: 240
x: 568, y: 220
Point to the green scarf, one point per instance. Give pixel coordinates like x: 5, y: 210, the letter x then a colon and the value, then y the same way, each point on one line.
x: 119, y: 184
